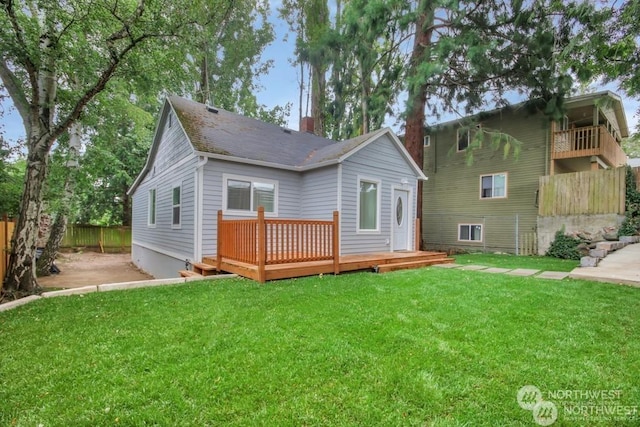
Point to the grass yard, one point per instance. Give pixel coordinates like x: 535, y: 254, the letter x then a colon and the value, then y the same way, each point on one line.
x: 421, y: 347
x: 544, y: 263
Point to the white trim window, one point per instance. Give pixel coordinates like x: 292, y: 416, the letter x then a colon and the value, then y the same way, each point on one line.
x: 176, y: 206
x: 151, y: 208
x: 470, y: 232
x: 242, y: 195
x: 426, y: 141
x: 368, y: 205
x: 493, y: 186
x: 463, y: 138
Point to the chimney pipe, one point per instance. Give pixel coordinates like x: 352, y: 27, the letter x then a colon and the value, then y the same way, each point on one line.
x: 307, y: 125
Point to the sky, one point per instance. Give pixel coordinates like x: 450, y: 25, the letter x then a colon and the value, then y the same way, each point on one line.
x: 280, y: 87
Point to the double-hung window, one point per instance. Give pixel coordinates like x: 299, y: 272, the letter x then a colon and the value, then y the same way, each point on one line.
x: 368, y: 205
x: 244, y: 194
x: 151, y: 219
x: 176, y: 204
x: 493, y: 186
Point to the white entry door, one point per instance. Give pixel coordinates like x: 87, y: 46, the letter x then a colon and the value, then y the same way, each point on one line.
x: 400, y: 220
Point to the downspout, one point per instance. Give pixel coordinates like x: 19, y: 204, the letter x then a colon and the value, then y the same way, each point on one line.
x: 198, y: 209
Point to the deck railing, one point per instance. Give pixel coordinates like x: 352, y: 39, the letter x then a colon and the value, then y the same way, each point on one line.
x: 266, y: 241
x: 588, y: 141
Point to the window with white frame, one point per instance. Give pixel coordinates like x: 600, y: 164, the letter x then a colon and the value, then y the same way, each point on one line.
x: 243, y: 194
x: 176, y: 203
x: 151, y: 220
x: 368, y: 205
x: 470, y: 232
x: 426, y: 140
x: 493, y: 186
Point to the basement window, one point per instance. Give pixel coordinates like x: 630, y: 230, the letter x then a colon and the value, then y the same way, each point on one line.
x: 470, y: 232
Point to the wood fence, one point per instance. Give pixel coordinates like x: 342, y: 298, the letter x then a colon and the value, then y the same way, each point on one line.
x: 583, y: 193
x: 264, y: 241
x: 107, y: 239
x: 6, y: 231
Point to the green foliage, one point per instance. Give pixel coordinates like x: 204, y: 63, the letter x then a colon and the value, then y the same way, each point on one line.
x: 564, y: 246
x: 355, y: 349
x: 11, y: 179
x: 631, y: 223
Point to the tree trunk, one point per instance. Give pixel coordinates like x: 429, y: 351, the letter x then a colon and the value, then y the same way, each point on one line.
x: 318, y: 98
x: 44, y: 264
x: 20, y: 279
x: 126, y: 209
x: 50, y: 252
x: 414, y: 134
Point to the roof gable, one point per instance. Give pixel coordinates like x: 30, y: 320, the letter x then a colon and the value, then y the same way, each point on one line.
x: 213, y: 132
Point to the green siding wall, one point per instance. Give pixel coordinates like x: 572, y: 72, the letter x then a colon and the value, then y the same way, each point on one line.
x: 452, y: 193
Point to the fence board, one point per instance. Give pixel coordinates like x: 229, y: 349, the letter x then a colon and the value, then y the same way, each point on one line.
x: 583, y: 193
x: 6, y: 231
x: 97, y: 237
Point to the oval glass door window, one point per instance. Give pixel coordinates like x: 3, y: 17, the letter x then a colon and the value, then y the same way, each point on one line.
x: 399, y: 213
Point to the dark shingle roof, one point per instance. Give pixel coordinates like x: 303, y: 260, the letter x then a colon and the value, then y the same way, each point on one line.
x: 225, y: 133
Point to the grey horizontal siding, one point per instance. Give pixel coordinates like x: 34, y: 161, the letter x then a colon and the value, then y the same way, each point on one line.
x: 174, y: 164
x: 319, y: 193
x: 379, y: 160
x: 289, y: 200
x: 452, y: 193
x: 163, y: 237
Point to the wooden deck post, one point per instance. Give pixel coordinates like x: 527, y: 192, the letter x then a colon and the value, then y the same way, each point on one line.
x: 262, y: 245
x: 219, y: 242
x: 336, y: 242
x: 417, y: 233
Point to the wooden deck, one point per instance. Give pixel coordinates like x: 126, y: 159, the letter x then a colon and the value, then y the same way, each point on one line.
x: 378, y: 262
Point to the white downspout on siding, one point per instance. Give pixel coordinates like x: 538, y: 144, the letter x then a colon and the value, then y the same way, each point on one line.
x: 198, y: 209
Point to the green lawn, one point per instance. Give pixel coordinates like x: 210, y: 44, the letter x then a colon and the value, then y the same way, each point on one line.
x: 544, y: 263
x: 422, y: 347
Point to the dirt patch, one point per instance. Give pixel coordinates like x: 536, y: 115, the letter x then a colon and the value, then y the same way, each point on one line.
x: 92, y: 268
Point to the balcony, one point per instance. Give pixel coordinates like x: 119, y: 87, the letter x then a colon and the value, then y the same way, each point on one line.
x: 586, y: 142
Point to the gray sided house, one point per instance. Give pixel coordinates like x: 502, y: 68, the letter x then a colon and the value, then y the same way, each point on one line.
x: 492, y: 203
x: 205, y: 159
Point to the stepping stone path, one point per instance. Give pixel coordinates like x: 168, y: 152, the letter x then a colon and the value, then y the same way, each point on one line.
x: 523, y: 272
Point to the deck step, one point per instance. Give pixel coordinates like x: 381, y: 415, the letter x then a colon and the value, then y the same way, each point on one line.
x: 204, y: 269
x: 385, y: 268
x: 189, y: 273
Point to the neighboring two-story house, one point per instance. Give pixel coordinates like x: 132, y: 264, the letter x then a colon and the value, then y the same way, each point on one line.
x: 489, y: 201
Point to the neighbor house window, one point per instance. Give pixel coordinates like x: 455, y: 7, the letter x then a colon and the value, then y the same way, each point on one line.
x: 470, y: 232
x: 170, y: 118
x: 176, y: 203
x: 368, y: 205
x: 493, y: 186
x: 426, y: 141
x: 246, y: 194
x: 462, y: 136
x: 152, y: 207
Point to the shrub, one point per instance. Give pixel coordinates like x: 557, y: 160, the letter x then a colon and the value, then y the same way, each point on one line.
x: 564, y: 246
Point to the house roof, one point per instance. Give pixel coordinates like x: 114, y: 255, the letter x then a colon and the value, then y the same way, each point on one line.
x: 217, y: 133
x: 634, y: 163
x: 590, y: 98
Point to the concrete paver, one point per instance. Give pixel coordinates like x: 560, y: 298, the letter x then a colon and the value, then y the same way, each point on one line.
x: 553, y: 275
x: 522, y: 272
x: 452, y: 265
x: 496, y: 270
x: 473, y: 267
